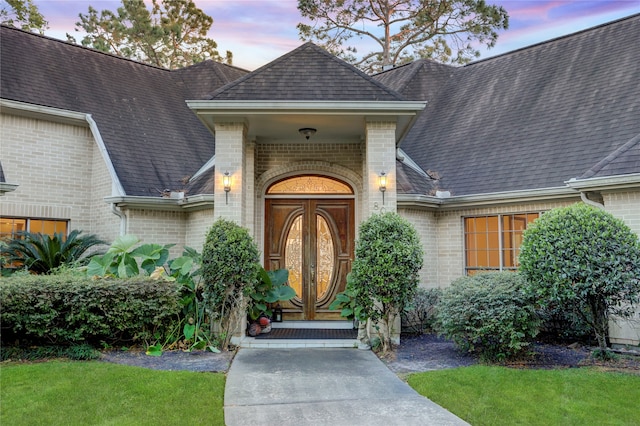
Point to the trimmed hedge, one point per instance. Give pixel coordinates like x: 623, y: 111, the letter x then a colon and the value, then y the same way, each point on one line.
x: 488, y: 314
x: 67, y: 309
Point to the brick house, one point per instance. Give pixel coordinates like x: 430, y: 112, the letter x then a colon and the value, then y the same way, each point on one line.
x: 309, y: 146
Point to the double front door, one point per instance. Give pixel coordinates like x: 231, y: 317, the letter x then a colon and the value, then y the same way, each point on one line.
x: 313, y: 239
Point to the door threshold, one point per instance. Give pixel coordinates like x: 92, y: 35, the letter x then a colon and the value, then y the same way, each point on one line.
x: 334, y: 325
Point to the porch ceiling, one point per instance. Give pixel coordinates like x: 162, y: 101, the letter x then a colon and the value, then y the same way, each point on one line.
x: 334, y: 121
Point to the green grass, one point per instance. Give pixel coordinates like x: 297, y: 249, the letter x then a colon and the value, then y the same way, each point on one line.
x: 484, y: 395
x: 96, y: 393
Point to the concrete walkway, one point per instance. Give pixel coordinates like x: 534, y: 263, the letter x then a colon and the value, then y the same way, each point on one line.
x: 322, y: 387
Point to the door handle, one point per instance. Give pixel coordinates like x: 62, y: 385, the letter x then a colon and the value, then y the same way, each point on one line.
x: 313, y: 273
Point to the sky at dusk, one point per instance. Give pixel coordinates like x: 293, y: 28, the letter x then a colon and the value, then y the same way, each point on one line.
x: 259, y: 31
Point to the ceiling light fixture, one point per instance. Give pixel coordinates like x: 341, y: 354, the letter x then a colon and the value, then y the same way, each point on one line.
x: 307, y: 132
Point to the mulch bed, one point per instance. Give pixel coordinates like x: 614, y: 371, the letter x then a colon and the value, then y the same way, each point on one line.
x: 414, y: 354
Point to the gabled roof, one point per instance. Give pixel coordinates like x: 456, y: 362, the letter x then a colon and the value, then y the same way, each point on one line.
x: 536, y: 117
x: 153, y: 139
x: 307, y: 73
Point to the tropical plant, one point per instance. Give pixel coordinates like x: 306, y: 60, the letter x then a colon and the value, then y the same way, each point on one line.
x: 196, y: 333
x: 173, y: 34
x: 230, y: 265
x: 384, y: 275
x: 270, y: 288
x: 489, y: 314
x: 402, y: 31
x: 585, y: 258
x: 121, y: 260
x: 42, y: 253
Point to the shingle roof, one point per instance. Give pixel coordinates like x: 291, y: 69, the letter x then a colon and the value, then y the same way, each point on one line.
x: 536, y: 117
x: 420, y: 80
x: 153, y: 138
x: 307, y: 73
x: 622, y: 161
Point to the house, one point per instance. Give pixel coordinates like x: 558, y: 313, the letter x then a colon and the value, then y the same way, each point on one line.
x: 303, y: 149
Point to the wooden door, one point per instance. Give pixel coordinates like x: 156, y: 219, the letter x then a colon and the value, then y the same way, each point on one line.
x: 313, y: 239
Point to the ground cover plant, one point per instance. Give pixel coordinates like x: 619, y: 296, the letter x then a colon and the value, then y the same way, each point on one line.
x: 82, y: 393
x: 484, y: 395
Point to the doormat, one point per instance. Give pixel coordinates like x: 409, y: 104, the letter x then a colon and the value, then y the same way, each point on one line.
x: 309, y: 333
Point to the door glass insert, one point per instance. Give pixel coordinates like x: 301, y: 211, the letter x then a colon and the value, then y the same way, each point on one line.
x: 309, y: 185
x: 293, y: 255
x: 325, y: 257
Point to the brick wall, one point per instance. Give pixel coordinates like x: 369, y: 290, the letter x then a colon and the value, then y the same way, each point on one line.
x: 197, y: 226
x: 46, y: 159
x: 158, y: 227
x: 425, y: 224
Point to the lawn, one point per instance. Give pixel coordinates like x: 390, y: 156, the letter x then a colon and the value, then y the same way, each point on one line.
x: 91, y: 393
x: 484, y: 395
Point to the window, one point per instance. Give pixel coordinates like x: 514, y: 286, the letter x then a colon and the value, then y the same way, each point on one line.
x: 11, y: 226
x: 492, y: 243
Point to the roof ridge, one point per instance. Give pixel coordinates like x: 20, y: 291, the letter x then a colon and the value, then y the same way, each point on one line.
x: 359, y: 72
x: 554, y: 39
x: 295, y: 51
x: 611, y: 157
x: 79, y: 46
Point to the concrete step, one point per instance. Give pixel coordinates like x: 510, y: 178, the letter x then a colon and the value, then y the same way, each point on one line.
x: 252, y: 342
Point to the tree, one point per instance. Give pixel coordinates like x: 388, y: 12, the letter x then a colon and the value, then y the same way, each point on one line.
x: 403, y: 30
x: 384, y: 275
x: 22, y: 14
x: 171, y: 35
x: 585, y: 258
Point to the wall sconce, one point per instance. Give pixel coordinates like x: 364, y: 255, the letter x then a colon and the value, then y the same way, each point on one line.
x: 226, y: 181
x: 307, y: 132
x: 382, y: 184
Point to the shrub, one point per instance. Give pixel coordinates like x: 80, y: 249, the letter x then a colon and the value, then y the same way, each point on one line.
x: 384, y: 274
x: 230, y: 265
x: 583, y: 257
x: 66, y: 309
x: 419, y: 315
x: 488, y: 314
x: 40, y: 253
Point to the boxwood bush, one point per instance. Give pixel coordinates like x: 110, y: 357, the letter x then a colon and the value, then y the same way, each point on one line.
x: 67, y: 309
x: 488, y: 314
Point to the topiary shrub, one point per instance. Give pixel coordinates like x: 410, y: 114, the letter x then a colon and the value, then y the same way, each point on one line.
x: 230, y: 265
x: 70, y: 309
x: 419, y: 315
x: 384, y: 274
x: 488, y: 314
x: 583, y: 257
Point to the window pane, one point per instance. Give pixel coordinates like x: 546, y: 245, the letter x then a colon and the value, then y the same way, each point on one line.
x: 309, y: 185
x: 9, y: 227
x: 293, y: 255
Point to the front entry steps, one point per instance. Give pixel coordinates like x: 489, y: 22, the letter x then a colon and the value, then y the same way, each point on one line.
x: 305, y: 334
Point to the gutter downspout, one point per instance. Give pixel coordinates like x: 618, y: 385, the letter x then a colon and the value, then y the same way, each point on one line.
x: 123, y: 218
x: 586, y: 200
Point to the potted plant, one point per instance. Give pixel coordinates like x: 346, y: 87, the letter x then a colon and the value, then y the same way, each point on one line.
x: 271, y: 288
